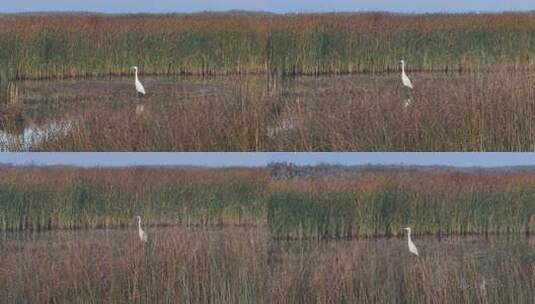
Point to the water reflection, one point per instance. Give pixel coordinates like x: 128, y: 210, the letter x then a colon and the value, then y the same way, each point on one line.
x: 22, y: 138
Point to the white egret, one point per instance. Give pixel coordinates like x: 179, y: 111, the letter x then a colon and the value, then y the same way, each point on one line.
x: 404, y: 78
x: 139, y: 87
x: 142, y: 234
x: 412, y: 247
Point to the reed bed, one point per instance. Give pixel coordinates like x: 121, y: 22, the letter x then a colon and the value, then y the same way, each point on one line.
x: 377, y: 204
x: 246, y: 266
x: 44, y: 46
x: 370, y: 203
x: 34, y: 199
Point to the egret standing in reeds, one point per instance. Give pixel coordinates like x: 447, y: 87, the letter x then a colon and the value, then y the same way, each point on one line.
x: 406, y: 81
x: 139, y: 87
x: 142, y: 234
x: 404, y: 78
x: 412, y: 247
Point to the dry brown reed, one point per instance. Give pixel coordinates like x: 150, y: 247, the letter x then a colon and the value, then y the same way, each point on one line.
x: 475, y: 112
x: 245, y: 265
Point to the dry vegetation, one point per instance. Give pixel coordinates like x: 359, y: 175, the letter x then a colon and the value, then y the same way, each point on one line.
x: 40, y: 46
x: 470, y: 112
x: 246, y: 266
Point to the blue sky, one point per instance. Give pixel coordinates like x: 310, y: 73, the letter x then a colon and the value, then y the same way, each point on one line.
x: 260, y: 159
x: 278, y: 6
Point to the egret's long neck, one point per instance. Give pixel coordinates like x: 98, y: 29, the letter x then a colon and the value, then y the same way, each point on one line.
x: 139, y: 224
x: 408, y: 235
x: 402, y: 71
x: 136, y: 75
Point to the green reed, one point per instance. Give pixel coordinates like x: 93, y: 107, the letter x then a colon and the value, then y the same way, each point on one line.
x: 305, y: 214
x: 384, y: 211
x: 438, y: 204
x: 88, y: 203
x: 63, y: 46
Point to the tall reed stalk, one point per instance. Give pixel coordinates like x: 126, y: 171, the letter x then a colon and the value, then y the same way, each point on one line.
x: 369, y: 204
x: 101, y: 199
x: 36, y: 46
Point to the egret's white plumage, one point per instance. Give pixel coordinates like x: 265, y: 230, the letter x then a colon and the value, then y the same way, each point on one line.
x: 404, y: 78
x: 412, y: 247
x: 139, y: 87
x: 142, y: 234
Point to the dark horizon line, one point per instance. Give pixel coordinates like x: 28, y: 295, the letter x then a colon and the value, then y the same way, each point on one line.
x: 263, y: 166
x: 260, y: 12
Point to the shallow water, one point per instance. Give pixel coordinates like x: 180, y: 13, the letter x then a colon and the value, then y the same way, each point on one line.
x: 31, y: 135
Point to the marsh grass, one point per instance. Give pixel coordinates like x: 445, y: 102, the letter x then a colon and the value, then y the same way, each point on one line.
x: 369, y: 204
x: 70, y: 199
x: 224, y: 239
x: 246, y: 265
x: 449, y: 112
x: 378, y: 204
x: 40, y: 46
